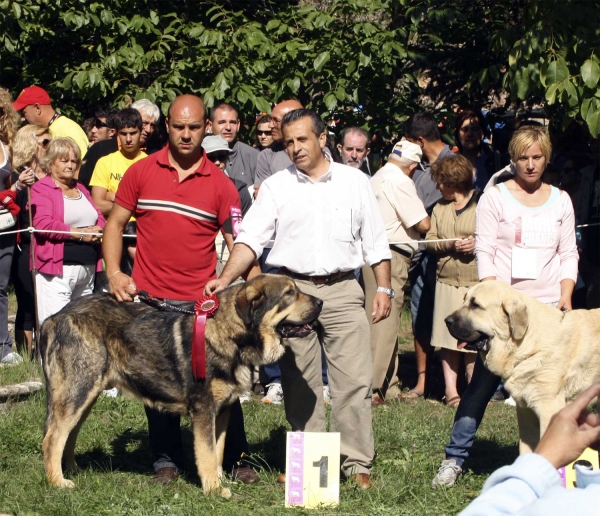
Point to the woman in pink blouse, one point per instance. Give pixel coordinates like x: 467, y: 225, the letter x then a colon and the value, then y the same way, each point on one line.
x: 524, y: 236
x: 525, y: 230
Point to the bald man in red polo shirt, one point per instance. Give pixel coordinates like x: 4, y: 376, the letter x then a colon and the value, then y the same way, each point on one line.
x: 181, y: 201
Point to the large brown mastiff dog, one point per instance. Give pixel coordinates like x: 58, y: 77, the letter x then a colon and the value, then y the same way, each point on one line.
x: 96, y: 342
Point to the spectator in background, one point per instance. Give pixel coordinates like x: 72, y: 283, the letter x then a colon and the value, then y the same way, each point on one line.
x: 453, y: 217
x: 27, y: 148
x: 404, y: 217
x: 469, y: 131
x: 9, y: 122
x: 225, y: 122
x: 100, y: 149
x: 35, y: 107
x: 422, y: 129
x: 65, y: 263
x: 101, y: 126
x: 153, y: 137
x: 110, y: 169
x: 263, y: 133
x: 354, y: 148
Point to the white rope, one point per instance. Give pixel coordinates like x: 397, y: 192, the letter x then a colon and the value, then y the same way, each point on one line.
x: 33, y: 230
x: 588, y: 225
x: 417, y: 242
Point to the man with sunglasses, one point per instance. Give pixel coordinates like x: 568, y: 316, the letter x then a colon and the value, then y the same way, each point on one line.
x: 35, y: 107
x: 225, y: 122
x: 102, y: 127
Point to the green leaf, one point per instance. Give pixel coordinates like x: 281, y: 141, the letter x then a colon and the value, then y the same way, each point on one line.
x: 16, y: 9
x: 590, y: 73
x: 351, y: 68
x: 262, y: 105
x: 330, y: 101
x: 321, y: 60
x: 551, y: 92
x: 593, y: 122
x: 556, y: 71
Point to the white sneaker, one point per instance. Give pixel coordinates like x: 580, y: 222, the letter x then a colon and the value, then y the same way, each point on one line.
x: 274, y: 394
x: 12, y: 358
x: 447, y: 474
x: 326, y: 394
x: 245, y: 397
x: 111, y: 393
x: 510, y: 401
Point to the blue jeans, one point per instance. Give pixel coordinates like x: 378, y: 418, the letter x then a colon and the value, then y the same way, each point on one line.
x: 470, y: 412
x: 7, y: 246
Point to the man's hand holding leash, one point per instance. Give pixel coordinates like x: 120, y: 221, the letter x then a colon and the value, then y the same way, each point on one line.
x: 121, y: 286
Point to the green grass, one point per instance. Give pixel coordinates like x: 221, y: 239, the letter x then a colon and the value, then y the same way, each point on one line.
x: 114, y: 457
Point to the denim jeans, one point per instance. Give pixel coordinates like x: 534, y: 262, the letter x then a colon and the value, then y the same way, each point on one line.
x: 7, y: 246
x: 470, y: 411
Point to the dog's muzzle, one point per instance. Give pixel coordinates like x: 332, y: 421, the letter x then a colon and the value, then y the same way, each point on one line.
x: 472, y: 340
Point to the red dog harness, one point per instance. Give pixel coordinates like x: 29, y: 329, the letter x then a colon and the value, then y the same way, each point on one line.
x: 206, y: 307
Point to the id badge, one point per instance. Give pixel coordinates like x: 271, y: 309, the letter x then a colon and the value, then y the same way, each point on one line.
x: 524, y: 263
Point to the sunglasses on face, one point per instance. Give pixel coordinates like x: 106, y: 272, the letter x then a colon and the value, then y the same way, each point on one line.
x: 266, y: 133
x: 218, y: 156
x: 44, y: 143
x: 99, y: 123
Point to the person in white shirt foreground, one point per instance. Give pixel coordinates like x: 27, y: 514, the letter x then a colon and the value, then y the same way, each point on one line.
x: 532, y: 486
x: 328, y: 224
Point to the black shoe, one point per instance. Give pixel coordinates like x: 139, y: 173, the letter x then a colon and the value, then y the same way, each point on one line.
x: 499, y: 395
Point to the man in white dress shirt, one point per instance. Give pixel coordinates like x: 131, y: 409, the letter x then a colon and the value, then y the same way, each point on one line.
x: 328, y: 224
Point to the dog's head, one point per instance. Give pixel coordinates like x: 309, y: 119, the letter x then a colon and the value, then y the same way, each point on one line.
x: 271, y: 302
x: 492, y: 311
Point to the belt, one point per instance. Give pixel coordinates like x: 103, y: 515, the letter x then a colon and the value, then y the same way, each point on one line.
x: 401, y: 251
x: 319, y: 280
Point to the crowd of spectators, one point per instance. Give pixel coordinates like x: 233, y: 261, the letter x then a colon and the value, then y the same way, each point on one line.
x: 448, y: 218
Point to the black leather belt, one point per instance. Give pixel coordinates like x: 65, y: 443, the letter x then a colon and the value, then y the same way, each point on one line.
x: 319, y: 280
x: 401, y: 251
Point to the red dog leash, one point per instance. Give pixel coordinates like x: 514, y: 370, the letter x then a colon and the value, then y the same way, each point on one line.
x: 205, y: 308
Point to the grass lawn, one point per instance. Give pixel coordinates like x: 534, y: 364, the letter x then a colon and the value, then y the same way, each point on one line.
x: 114, y: 457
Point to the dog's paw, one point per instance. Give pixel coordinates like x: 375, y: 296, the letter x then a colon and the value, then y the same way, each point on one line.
x: 226, y: 493
x: 65, y: 484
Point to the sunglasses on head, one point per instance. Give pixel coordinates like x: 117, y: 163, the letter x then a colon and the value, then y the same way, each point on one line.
x: 266, y: 133
x: 218, y: 156
x: 44, y: 143
x: 99, y: 123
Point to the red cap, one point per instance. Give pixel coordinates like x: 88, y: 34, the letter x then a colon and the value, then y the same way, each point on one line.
x: 32, y: 95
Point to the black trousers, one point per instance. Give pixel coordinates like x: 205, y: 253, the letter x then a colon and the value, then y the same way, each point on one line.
x: 165, y: 438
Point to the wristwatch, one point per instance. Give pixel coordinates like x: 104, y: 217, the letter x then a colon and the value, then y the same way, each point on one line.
x: 389, y: 291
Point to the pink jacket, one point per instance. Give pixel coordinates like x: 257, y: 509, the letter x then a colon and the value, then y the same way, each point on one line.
x: 48, y: 208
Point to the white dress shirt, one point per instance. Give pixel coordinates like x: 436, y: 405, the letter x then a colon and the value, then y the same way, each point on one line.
x: 322, y: 227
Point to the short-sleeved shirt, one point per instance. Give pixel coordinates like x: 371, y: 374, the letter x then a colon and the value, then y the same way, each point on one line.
x: 65, y: 127
x: 399, y: 204
x: 177, y: 223
x: 110, y: 170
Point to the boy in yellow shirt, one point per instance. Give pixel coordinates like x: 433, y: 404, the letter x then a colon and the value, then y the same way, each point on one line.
x: 110, y: 169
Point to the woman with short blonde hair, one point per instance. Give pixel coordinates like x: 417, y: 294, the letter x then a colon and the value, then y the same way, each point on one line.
x: 67, y: 254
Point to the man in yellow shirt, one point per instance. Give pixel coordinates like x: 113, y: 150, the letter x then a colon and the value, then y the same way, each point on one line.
x: 110, y: 169
x: 34, y: 106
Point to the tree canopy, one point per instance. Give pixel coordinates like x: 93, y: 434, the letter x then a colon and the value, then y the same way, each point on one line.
x: 369, y: 62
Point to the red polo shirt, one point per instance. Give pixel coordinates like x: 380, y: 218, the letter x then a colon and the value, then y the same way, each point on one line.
x: 177, y: 223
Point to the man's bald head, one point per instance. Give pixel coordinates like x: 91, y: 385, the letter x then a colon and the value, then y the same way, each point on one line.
x: 277, y: 114
x: 187, y: 102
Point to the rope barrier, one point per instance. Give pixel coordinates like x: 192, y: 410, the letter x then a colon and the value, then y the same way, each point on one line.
x: 31, y: 229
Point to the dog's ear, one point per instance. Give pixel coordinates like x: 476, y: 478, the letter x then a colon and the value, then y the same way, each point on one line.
x: 248, y: 300
x: 518, y: 316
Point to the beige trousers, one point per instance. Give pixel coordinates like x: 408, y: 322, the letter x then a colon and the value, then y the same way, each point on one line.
x: 344, y: 335
x: 384, y: 334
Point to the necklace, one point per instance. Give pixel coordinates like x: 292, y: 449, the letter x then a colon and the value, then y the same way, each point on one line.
x: 53, y: 119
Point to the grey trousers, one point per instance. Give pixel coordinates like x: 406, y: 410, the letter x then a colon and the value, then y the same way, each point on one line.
x: 345, y: 339
x: 7, y: 247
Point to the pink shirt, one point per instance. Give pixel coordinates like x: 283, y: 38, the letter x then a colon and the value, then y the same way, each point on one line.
x: 503, y: 223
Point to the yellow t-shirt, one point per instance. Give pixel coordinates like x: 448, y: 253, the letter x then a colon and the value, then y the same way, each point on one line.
x: 110, y: 169
x: 65, y: 127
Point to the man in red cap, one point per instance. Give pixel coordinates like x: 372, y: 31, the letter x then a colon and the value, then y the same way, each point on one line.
x: 35, y: 107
